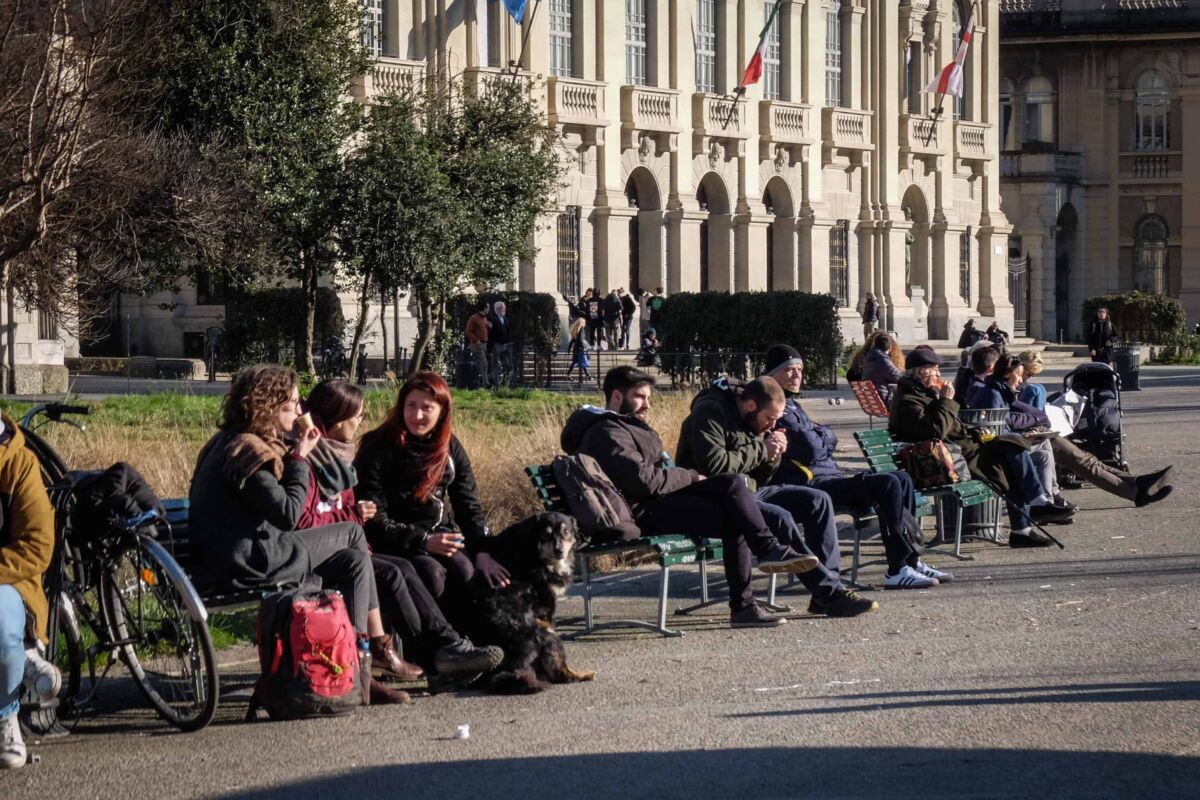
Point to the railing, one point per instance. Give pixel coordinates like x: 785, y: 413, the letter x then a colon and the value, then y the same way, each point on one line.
x: 846, y: 128
x: 576, y: 102
x: 389, y: 75
x: 648, y: 108
x: 788, y: 123
x: 1052, y: 166
x: 713, y: 115
x: 921, y: 134
x: 479, y: 81
x: 970, y: 140
x: 1155, y: 164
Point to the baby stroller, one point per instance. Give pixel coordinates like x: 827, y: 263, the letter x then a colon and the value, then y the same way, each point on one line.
x: 1097, y: 388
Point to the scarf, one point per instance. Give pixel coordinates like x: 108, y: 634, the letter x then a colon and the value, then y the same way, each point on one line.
x: 332, y: 465
x: 243, y: 454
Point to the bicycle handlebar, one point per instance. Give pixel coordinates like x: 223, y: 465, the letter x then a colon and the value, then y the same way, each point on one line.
x: 54, y: 412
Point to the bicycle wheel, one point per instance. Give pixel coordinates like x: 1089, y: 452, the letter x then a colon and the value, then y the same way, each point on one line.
x: 65, y: 649
x: 167, y: 648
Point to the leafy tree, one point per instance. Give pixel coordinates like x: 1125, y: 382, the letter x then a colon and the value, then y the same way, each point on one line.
x: 269, y: 82
x: 446, y: 190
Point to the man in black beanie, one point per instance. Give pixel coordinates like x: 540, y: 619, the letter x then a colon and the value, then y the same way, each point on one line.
x: 808, y: 461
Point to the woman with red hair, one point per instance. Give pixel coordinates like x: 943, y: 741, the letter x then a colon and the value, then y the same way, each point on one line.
x: 427, y: 505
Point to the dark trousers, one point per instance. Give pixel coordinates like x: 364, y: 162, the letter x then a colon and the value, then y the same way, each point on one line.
x: 338, y: 553
x: 890, y: 493
x: 1013, y: 471
x: 409, y: 607
x: 595, y: 330
x: 448, y: 581
x: 803, y: 518
x: 720, y: 507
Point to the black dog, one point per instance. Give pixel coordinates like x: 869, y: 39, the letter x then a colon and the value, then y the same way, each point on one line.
x: 519, y: 618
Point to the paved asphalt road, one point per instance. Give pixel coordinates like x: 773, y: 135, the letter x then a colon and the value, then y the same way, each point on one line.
x: 1037, y: 674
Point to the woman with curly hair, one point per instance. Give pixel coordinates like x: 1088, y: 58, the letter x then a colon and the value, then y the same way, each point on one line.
x: 427, y: 504
x: 248, y: 493
x: 337, y: 409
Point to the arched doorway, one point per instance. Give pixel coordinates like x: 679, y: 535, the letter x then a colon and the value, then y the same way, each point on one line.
x: 780, y: 242
x: 1067, y: 224
x: 715, y: 253
x: 644, y: 233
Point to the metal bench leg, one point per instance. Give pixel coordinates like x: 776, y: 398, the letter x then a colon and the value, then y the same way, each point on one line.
x: 662, y: 604
x: 771, y: 589
x: 587, y: 594
x: 703, y: 580
x: 857, y: 552
x: 958, y: 526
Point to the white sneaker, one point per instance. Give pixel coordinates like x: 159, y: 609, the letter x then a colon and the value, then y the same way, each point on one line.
x: 12, y: 747
x: 930, y: 572
x: 41, y: 676
x: 908, y: 578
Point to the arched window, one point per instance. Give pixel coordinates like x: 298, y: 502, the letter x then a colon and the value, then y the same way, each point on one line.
x: 1151, y: 112
x: 1008, y: 132
x: 1039, y: 111
x: 1150, y: 255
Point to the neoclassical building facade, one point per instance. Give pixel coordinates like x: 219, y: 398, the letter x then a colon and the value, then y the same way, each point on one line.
x: 831, y: 174
x: 1098, y: 102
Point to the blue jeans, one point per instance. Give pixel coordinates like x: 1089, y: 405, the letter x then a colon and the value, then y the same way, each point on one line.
x: 12, y: 650
x: 1025, y: 486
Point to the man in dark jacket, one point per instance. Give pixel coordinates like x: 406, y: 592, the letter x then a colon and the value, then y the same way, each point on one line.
x: 590, y: 303
x: 500, y: 343
x: 1102, y: 337
x: 675, y: 499
x: 611, y: 308
x: 808, y: 461
x: 629, y: 308
x: 870, y: 317
x: 924, y: 408
x: 731, y: 428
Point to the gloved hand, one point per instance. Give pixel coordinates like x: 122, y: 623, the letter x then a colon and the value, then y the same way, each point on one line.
x: 492, y: 571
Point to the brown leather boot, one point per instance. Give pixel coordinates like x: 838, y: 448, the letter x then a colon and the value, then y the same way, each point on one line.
x: 383, y: 695
x: 386, y: 662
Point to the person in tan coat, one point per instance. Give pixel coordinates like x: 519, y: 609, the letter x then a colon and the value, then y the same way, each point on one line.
x: 26, y: 544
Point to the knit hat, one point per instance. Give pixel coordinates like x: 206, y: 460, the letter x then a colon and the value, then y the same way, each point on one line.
x: 782, y: 355
x: 922, y: 356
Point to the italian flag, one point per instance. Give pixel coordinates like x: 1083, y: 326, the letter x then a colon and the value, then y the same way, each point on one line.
x: 950, y: 81
x: 754, y: 69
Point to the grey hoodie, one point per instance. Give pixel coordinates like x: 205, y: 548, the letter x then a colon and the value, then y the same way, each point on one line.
x: 628, y: 450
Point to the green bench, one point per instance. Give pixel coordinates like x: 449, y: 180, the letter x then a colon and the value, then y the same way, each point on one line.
x: 880, y: 450
x: 669, y: 551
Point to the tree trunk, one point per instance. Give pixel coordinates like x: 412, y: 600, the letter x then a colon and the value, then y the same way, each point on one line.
x: 309, y: 275
x: 383, y: 297
x: 360, y: 327
x: 425, y: 309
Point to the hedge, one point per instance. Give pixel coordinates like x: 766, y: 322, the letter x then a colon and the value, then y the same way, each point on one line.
x: 710, y: 333
x: 263, y: 325
x: 1150, y: 318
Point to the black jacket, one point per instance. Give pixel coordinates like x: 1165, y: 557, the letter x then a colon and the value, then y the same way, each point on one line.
x: 612, y: 308
x: 500, y: 333
x: 628, y: 450
x: 1102, y: 335
x: 388, y: 475
x: 628, y: 306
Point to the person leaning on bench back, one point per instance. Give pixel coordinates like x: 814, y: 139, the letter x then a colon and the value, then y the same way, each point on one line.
x: 730, y: 429
x: 677, y: 500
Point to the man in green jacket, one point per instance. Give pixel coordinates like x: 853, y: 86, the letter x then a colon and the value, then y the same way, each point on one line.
x: 731, y: 428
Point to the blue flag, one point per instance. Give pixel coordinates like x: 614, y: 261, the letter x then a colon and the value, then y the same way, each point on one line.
x: 516, y: 8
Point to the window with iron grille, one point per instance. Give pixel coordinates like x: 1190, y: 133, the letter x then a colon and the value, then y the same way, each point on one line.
x: 568, y: 252
x: 371, y: 26
x: 964, y: 265
x: 839, y: 262
x: 636, y: 55
x: 706, y: 45
x: 562, y: 46
x: 1150, y: 255
x: 47, y: 325
x: 772, y: 56
x: 833, y: 58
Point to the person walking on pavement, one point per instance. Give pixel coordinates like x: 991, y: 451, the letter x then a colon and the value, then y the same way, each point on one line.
x: 612, y: 319
x: 1102, y: 338
x: 478, y: 329
x: 870, y: 317
x: 500, y: 339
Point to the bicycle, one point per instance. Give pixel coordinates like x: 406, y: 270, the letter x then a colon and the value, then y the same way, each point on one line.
x: 137, y: 604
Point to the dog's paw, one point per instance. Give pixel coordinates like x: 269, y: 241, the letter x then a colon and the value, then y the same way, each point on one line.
x: 546, y: 625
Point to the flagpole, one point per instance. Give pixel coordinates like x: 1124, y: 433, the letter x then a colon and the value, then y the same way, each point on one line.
x: 515, y: 66
x: 740, y: 92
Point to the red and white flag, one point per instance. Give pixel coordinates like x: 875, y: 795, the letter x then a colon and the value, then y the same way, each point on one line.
x: 950, y: 81
x: 754, y: 69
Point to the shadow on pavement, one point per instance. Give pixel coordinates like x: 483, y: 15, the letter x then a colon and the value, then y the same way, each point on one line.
x: 1157, y: 692
x: 849, y: 772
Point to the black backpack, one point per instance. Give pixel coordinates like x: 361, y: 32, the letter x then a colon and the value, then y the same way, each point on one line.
x: 595, y: 503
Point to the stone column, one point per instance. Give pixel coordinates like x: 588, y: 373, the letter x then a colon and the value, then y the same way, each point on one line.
x: 815, y: 273
x: 650, y: 251
x: 855, y: 54
x: 783, y: 245
x: 687, y: 279
x: 720, y: 252
x: 940, y: 283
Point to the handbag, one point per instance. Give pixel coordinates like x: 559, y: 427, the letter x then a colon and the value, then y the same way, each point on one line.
x: 930, y: 463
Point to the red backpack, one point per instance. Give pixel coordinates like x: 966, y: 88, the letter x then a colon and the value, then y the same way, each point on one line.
x: 308, y: 653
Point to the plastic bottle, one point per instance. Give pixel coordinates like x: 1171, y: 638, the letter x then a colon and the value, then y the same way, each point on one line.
x: 364, y: 669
